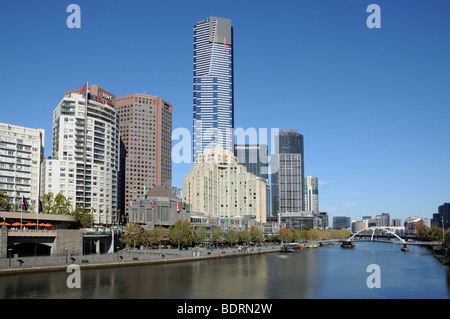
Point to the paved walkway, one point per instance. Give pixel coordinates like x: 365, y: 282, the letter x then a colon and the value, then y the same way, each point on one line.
x: 46, y: 263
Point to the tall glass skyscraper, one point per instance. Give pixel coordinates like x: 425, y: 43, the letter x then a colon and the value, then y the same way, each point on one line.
x: 213, y: 85
x: 311, y: 194
x: 287, y: 173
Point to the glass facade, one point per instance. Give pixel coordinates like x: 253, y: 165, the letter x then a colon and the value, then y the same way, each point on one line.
x: 311, y: 193
x: 213, y: 103
x: 287, y: 173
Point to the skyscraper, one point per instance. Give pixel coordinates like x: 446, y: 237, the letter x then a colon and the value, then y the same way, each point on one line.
x: 84, y: 166
x: 146, y: 136
x: 287, y: 173
x: 311, y: 194
x: 213, y: 100
x: 254, y: 157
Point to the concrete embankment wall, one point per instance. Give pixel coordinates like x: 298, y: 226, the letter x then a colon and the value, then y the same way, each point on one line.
x: 169, y: 257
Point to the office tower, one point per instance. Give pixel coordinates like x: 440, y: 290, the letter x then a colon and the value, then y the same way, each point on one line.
x: 218, y: 185
x: 254, y: 157
x: 213, y: 99
x: 442, y: 217
x: 21, y: 156
x: 311, y: 193
x: 287, y: 173
x: 341, y: 222
x: 146, y: 135
x: 85, y: 152
x: 383, y: 220
x: 396, y: 222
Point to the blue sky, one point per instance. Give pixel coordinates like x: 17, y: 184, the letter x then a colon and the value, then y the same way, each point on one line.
x: 372, y: 104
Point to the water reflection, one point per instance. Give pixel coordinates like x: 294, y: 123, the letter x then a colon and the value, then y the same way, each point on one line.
x: 326, y: 272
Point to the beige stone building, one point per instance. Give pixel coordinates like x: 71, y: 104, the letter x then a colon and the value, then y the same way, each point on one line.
x: 219, y: 186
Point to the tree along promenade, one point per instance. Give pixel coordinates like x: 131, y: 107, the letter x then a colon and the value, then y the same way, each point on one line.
x: 15, y: 265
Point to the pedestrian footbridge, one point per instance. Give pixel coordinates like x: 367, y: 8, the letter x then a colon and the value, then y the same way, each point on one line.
x: 392, y: 231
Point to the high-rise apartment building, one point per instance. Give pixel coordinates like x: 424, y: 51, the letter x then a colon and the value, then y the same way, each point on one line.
x: 218, y: 185
x: 287, y: 173
x: 311, y: 194
x: 255, y: 158
x: 146, y: 134
x: 213, y: 85
x: 84, y: 166
x: 21, y: 156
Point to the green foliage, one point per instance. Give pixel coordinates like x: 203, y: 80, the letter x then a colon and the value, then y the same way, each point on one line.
x: 155, y: 236
x: 133, y: 236
x: 84, y: 217
x: 216, y: 235
x: 4, y: 203
x: 200, y: 235
x: 59, y: 205
x: 256, y: 234
x: 431, y: 234
x: 182, y: 233
x: 232, y: 236
x: 244, y: 236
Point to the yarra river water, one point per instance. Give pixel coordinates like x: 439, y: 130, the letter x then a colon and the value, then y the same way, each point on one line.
x: 325, y: 272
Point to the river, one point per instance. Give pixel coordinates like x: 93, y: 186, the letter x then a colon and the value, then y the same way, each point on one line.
x: 324, y: 272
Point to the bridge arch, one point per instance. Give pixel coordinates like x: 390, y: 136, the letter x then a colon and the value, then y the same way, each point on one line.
x: 374, y: 228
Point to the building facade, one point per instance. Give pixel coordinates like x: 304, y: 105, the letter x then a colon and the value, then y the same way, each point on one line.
x: 287, y: 173
x: 341, y: 222
x: 145, y: 124
x: 442, y: 217
x: 84, y: 166
x: 413, y: 224
x: 159, y: 208
x: 213, y: 100
x: 255, y: 158
x: 311, y: 193
x: 21, y: 156
x: 218, y: 185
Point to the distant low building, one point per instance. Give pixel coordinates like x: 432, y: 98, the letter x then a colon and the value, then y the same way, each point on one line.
x: 341, y: 222
x: 412, y: 224
x: 358, y: 226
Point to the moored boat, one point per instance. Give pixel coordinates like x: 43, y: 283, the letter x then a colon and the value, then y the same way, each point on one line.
x: 348, y: 244
x: 291, y: 248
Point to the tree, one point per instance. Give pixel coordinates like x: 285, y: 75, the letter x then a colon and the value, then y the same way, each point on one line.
x: 296, y: 235
x: 134, y: 235
x: 84, y: 217
x: 285, y: 235
x: 47, y: 203
x: 61, y: 205
x: 447, y: 238
x: 200, y: 235
x: 232, y: 236
x: 244, y: 236
x: 4, y: 203
x: 156, y: 236
x: 181, y: 233
x: 256, y: 234
x: 216, y: 235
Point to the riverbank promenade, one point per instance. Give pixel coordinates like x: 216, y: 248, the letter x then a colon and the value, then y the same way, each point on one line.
x: 15, y: 265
